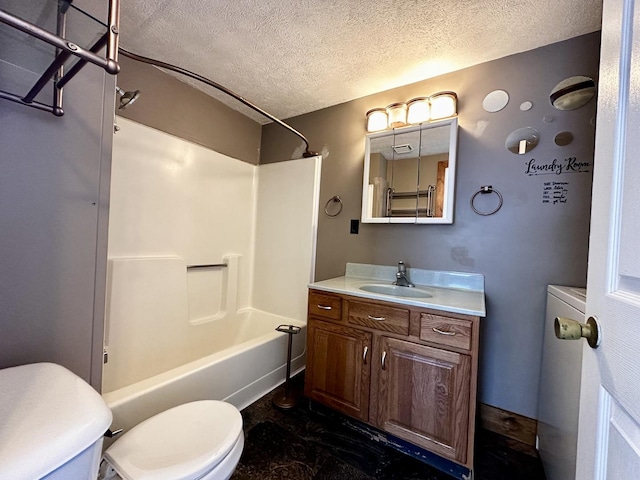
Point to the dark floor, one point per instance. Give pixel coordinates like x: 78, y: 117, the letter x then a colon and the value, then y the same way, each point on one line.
x: 310, y: 442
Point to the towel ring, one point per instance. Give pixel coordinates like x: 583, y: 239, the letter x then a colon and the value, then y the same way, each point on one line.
x: 334, y: 199
x: 486, y: 189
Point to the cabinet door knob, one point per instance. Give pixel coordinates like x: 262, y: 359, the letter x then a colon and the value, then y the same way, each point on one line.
x: 442, y: 332
x: 324, y: 307
x: 364, y: 354
x: 377, y: 319
x: 384, y: 357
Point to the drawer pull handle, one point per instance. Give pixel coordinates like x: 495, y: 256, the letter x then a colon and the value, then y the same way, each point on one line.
x: 384, y: 357
x: 324, y: 307
x: 377, y: 319
x: 441, y: 332
x: 364, y: 354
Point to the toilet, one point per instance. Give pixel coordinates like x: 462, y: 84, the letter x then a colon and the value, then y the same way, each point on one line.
x: 53, y: 424
x: 194, y: 441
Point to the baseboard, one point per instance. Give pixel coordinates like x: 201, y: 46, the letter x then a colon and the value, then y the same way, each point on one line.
x: 509, y: 424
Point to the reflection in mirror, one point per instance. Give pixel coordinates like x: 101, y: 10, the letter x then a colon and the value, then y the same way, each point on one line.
x: 522, y: 140
x: 409, y: 174
x: 573, y: 92
x: 563, y: 138
x: 495, y: 101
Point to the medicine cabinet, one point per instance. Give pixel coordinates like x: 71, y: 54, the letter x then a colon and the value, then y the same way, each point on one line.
x: 409, y: 174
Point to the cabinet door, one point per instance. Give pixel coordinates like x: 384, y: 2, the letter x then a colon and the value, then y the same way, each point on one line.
x: 338, y: 367
x: 424, y: 396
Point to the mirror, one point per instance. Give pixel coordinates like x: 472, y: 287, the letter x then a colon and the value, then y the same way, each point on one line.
x: 563, y: 139
x: 522, y: 140
x: 526, y: 106
x: 573, y: 92
x: 409, y: 174
x: 495, y: 101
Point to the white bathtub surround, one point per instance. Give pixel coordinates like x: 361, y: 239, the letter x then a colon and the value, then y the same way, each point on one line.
x: 286, y: 226
x: 203, y: 283
x: 174, y: 334
x: 170, y: 197
x: 456, y: 292
x: 149, y: 321
x: 153, y: 291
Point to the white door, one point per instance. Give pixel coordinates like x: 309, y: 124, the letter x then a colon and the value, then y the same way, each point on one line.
x: 609, y: 426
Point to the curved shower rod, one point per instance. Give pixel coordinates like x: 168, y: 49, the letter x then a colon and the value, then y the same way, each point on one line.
x: 211, y: 83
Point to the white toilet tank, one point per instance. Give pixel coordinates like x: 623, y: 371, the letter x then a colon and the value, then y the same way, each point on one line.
x: 52, y: 424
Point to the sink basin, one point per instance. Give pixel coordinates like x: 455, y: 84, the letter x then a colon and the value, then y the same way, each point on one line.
x: 396, y: 291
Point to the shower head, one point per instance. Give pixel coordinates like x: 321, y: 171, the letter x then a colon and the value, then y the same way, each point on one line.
x: 126, y: 98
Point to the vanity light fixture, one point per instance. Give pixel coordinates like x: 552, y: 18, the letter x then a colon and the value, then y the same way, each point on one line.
x: 377, y: 119
x: 417, y: 110
x: 443, y: 105
x: 397, y: 113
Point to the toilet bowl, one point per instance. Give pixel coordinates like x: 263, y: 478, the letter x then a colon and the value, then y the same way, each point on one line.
x: 195, y: 441
x: 53, y: 424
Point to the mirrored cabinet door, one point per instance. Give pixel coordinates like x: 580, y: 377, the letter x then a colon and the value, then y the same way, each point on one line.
x: 409, y: 174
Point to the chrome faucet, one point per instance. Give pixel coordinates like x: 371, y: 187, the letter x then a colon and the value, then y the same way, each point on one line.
x: 401, y: 276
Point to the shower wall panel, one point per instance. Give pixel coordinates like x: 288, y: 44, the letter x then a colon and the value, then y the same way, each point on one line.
x: 173, y: 204
x: 286, y: 228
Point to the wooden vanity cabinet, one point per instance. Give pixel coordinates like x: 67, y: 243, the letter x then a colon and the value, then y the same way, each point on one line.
x: 338, y: 368
x: 411, y: 372
x: 423, y: 396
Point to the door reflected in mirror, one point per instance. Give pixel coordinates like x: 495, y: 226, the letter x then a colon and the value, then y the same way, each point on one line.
x: 522, y: 140
x: 409, y: 174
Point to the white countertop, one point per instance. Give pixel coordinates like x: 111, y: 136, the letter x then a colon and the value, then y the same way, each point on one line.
x: 450, y: 291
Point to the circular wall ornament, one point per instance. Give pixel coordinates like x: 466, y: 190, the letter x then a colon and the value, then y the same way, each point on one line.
x: 573, y: 92
x: 522, y: 140
x: 526, y: 106
x: 563, y: 138
x: 495, y: 101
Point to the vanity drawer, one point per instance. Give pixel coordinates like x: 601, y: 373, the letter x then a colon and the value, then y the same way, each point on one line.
x: 445, y: 331
x: 325, y: 305
x: 380, y: 317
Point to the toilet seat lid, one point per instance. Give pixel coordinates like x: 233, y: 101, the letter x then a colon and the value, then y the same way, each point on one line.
x: 181, y: 443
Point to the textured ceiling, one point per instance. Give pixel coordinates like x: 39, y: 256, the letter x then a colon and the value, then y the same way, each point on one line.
x: 291, y: 57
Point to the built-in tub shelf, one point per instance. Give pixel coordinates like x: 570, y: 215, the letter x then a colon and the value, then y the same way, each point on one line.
x: 56, y: 38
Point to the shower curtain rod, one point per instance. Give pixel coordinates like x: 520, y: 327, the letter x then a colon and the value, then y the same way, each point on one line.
x: 223, y: 89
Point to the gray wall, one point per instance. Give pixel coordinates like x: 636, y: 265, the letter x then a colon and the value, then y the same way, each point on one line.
x: 175, y: 107
x: 54, y: 187
x: 522, y: 248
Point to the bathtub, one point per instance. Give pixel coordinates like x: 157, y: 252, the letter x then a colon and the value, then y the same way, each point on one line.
x: 239, y: 373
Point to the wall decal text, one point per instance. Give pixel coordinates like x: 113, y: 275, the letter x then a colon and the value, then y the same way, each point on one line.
x: 554, y: 193
x: 556, y: 167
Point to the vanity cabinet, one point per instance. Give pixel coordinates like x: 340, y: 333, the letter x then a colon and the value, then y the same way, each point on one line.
x: 423, y: 396
x: 409, y: 371
x: 338, y: 362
